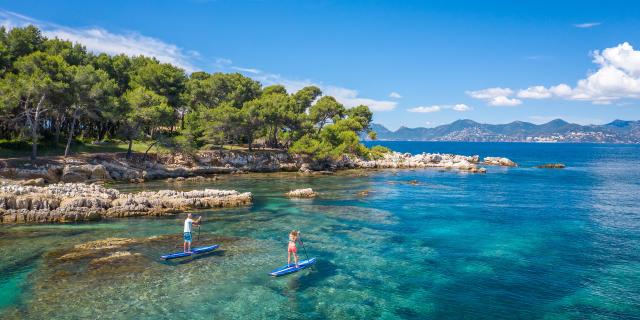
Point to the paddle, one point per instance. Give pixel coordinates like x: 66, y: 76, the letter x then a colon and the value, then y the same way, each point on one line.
x: 199, y: 224
x: 303, y: 247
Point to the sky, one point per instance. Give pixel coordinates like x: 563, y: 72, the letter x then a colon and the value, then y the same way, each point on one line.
x: 415, y: 63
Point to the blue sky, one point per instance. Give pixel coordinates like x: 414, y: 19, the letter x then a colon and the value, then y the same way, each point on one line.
x: 417, y: 63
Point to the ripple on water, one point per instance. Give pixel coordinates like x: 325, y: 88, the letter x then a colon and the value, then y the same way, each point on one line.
x: 355, y: 213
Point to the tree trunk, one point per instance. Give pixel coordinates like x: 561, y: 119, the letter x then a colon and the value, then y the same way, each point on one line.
x: 59, y: 121
x: 149, y: 148
x: 275, y: 137
x: 34, y: 128
x: 129, y: 150
x: 73, y: 126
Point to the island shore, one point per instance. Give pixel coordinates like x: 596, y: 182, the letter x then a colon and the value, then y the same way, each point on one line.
x: 140, y: 168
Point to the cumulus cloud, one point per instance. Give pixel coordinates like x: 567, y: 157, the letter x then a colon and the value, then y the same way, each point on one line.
x: 102, y: 41
x: 425, y: 109
x: 536, y: 92
x: 617, y: 77
x: 587, y: 25
x: 495, y: 96
x: 351, y: 98
x: 460, y: 107
x: 395, y: 95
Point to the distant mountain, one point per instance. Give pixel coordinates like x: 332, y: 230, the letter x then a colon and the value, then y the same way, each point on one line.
x: 618, y: 131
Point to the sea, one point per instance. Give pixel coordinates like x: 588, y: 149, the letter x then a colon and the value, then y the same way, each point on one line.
x: 514, y: 243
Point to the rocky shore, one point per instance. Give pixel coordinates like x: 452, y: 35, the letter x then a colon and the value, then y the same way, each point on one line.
x: 72, y: 202
x: 399, y: 160
x: 178, y: 167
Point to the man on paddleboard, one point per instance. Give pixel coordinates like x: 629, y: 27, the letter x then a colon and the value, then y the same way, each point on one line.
x: 188, y: 223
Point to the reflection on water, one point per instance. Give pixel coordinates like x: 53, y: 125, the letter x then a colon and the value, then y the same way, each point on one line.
x: 520, y: 243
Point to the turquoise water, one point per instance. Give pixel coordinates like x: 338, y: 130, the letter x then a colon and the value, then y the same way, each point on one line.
x: 515, y: 243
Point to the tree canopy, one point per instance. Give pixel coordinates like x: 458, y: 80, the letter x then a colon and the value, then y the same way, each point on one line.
x: 53, y: 88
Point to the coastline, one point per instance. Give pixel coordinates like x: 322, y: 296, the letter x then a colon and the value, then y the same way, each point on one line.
x: 70, y: 190
x: 139, y: 168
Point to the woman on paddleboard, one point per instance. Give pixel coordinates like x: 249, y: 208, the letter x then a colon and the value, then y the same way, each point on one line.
x: 292, y: 249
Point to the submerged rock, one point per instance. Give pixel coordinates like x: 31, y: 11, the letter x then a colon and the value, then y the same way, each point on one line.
x: 118, y: 256
x: 551, y: 166
x: 302, y: 193
x: 80, y: 202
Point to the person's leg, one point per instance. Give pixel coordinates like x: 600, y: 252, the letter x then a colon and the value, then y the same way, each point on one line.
x: 288, y: 257
x: 184, y: 247
x: 188, y: 239
x: 295, y: 256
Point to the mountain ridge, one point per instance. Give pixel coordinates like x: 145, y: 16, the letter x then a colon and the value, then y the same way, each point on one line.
x: 557, y: 130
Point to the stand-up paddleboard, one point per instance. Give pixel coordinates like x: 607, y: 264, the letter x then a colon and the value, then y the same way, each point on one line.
x: 291, y: 268
x: 194, y: 251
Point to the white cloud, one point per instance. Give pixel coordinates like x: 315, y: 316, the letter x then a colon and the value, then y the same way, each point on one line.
x: 351, y: 98
x: 503, y: 101
x: 495, y: 96
x: 587, y: 25
x: 100, y: 40
x: 536, y: 92
x: 425, y: 109
x: 395, y: 95
x: 247, y: 70
x: 617, y: 77
x: 460, y: 107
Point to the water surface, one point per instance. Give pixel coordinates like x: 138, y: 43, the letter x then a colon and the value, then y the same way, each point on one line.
x: 515, y: 243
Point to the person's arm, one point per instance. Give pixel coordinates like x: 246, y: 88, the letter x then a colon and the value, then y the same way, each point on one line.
x: 197, y: 222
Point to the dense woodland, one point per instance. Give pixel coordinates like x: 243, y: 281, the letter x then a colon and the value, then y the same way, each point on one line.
x: 55, y: 92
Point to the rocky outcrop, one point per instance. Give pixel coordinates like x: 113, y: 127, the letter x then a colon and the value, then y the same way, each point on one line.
x: 399, y: 160
x: 498, y: 161
x: 84, y: 172
x: 301, y: 193
x: 80, y: 202
x: 171, y: 201
x: 551, y: 166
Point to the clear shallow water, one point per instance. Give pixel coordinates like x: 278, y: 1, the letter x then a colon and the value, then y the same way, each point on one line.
x: 519, y: 243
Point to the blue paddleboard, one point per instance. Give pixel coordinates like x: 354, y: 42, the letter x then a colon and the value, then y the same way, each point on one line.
x: 194, y: 251
x: 291, y: 268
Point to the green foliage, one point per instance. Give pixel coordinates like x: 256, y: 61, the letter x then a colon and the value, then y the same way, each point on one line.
x: 326, y: 109
x: 378, y: 152
x: 274, y: 89
x: 23, y: 41
x: 209, y: 91
x: 52, y: 89
x: 162, y: 78
x: 147, y: 108
x: 332, y: 142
